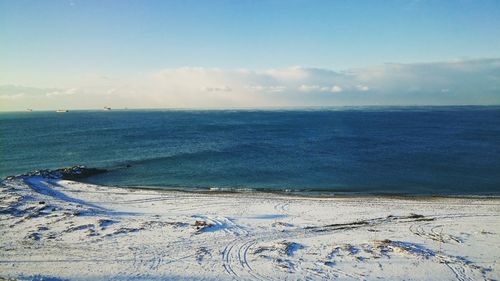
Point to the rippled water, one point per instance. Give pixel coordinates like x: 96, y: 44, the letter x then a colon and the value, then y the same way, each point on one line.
x: 410, y: 150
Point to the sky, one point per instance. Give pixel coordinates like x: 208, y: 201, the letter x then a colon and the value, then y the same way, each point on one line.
x: 88, y: 54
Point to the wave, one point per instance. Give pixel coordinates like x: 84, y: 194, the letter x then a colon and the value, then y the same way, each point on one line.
x: 237, y: 150
x: 82, y: 173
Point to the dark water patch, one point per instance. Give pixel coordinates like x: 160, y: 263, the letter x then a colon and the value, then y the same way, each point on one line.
x: 399, y: 150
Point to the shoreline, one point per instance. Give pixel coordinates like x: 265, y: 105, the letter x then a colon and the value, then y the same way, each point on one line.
x: 286, y: 193
x: 80, y: 173
x: 300, y: 193
x: 318, y: 195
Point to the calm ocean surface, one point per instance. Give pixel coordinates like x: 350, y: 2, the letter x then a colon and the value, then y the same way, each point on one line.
x: 401, y: 150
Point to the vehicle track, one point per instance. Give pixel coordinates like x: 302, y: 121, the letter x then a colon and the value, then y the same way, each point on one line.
x: 433, y: 232
x: 235, y: 256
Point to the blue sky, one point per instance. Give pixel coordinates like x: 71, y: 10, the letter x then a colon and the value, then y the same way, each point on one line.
x: 72, y: 45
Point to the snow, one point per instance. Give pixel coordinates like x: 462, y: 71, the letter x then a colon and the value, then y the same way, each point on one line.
x: 54, y: 229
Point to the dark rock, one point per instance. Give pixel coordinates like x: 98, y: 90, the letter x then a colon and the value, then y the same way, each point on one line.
x: 69, y: 173
x: 78, y: 172
x: 33, y: 236
x: 201, y: 225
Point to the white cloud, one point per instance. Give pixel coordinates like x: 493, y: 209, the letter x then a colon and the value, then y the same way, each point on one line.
x: 276, y: 89
x: 269, y: 89
x: 333, y: 89
x: 12, y: 96
x: 217, y: 89
x: 473, y: 82
x: 362, y: 88
x: 110, y: 91
x: 309, y: 88
x: 291, y: 73
x: 59, y: 93
x: 317, y: 88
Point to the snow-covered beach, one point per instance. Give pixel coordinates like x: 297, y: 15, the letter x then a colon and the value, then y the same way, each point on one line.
x: 54, y: 229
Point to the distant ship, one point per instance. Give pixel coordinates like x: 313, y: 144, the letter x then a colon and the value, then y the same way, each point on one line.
x: 29, y: 109
x: 107, y: 108
x: 62, y: 110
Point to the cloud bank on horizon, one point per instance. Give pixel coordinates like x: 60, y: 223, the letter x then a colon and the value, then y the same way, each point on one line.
x: 460, y: 82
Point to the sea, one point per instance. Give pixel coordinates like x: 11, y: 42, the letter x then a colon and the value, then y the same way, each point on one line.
x: 338, y: 150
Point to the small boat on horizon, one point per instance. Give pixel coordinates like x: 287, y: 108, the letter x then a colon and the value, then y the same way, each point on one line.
x: 107, y: 108
x: 62, y: 110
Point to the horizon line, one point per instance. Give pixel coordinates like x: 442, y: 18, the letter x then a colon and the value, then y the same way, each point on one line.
x: 260, y: 108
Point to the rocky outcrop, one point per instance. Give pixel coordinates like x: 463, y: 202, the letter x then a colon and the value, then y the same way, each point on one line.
x: 69, y: 173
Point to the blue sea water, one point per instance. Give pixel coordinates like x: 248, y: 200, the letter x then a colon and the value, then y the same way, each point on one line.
x: 394, y: 150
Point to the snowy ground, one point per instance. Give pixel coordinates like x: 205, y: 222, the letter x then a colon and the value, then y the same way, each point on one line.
x: 59, y: 230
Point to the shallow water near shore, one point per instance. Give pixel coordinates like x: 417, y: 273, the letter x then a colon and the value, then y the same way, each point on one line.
x: 370, y: 150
